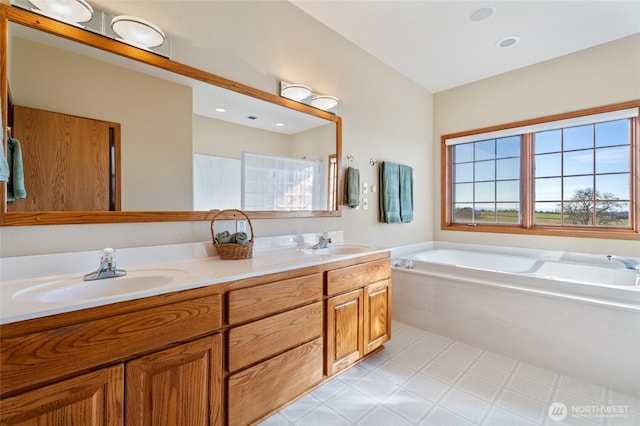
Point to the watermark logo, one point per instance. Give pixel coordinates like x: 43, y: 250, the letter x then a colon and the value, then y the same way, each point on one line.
x: 557, y: 411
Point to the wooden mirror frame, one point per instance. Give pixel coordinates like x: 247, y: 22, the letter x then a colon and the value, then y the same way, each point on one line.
x: 42, y: 23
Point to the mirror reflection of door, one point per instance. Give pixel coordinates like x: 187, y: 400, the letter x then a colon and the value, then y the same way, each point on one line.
x: 69, y: 162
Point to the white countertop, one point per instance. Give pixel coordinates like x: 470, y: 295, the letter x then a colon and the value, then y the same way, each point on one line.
x: 194, y: 268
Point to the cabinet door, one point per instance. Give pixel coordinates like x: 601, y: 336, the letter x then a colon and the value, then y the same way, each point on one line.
x: 178, y: 386
x: 377, y: 315
x: 94, y: 398
x: 344, y: 330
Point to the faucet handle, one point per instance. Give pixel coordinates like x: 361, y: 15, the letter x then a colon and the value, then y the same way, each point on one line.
x: 107, y: 254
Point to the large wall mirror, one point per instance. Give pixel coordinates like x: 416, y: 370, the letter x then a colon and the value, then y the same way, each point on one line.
x: 110, y: 133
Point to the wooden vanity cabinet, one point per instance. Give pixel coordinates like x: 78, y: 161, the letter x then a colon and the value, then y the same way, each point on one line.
x: 358, y: 312
x: 142, y: 362
x: 91, y: 399
x: 275, y: 346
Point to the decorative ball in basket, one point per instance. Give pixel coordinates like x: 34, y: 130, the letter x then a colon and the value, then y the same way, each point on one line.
x: 232, y: 246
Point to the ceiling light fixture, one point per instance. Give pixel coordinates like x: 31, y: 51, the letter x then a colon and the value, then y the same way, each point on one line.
x: 220, y: 109
x: 508, y: 41
x: 137, y: 31
x: 71, y: 11
x: 481, y: 14
x: 296, y: 92
x: 324, y: 102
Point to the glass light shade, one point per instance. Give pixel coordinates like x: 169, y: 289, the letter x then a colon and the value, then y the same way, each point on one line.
x: 65, y: 10
x: 324, y: 102
x: 137, y: 31
x: 297, y: 92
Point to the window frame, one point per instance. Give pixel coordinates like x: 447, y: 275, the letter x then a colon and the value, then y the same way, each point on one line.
x: 527, y: 180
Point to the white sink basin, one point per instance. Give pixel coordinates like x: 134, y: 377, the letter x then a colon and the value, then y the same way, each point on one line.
x: 338, y: 249
x: 76, y: 289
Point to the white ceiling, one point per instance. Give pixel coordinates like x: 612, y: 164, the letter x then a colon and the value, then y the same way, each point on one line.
x: 437, y: 45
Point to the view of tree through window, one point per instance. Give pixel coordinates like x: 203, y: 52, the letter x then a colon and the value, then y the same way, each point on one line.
x: 573, y: 173
x: 571, y: 162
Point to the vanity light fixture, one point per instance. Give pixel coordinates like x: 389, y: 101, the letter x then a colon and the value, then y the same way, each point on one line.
x: 134, y: 31
x: 296, y: 92
x: 137, y: 31
x: 304, y: 94
x: 70, y: 11
x: 324, y: 102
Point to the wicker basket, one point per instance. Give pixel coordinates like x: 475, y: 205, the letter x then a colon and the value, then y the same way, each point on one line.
x: 233, y: 251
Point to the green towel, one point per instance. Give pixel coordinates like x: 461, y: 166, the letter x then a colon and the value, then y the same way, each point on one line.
x: 406, y: 193
x: 352, y: 187
x: 224, y: 237
x: 4, y: 165
x: 15, y: 185
x: 389, y: 192
x: 240, y: 238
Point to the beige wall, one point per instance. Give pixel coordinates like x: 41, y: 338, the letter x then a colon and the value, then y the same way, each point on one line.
x: 602, y: 75
x: 155, y: 117
x: 385, y: 117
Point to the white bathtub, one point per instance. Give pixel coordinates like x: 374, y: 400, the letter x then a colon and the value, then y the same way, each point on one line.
x: 573, y: 313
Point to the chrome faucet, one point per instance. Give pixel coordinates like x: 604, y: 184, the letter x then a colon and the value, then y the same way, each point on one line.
x: 323, y: 241
x: 107, y: 267
x: 628, y: 263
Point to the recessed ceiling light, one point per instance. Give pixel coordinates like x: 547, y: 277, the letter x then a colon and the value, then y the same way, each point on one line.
x: 508, y: 41
x: 481, y: 14
x: 280, y: 124
x: 221, y: 110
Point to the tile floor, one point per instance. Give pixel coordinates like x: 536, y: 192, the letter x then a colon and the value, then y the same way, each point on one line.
x: 421, y: 378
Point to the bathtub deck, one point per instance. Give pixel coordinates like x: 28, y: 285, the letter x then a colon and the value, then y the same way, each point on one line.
x: 422, y: 378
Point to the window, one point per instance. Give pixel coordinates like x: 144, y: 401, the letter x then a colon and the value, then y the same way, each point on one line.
x: 573, y: 175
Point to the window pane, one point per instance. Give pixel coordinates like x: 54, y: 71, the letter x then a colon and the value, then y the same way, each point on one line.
x: 485, y: 170
x: 578, y: 212
x: 615, y: 216
x: 463, y: 213
x: 578, y: 162
x: 613, y: 186
x: 548, y: 189
x: 463, y: 153
x: 485, y: 150
x: 463, y: 172
x: 508, y: 147
x: 485, y: 191
x: 485, y: 213
x: 611, y: 160
x: 578, y: 137
x: 508, y: 190
x: 508, y: 168
x: 508, y: 212
x: 547, y: 141
x: 463, y: 193
x: 548, y: 165
x: 577, y: 187
x: 547, y: 214
x: 613, y: 133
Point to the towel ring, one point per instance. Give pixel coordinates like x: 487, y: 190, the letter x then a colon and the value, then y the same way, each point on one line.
x: 352, y: 159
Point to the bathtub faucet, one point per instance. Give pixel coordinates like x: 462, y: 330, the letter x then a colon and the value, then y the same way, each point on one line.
x: 628, y: 263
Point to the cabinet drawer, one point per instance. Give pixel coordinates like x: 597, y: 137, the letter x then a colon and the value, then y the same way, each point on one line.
x: 66, y: 350
x: 259, y: 390
x: 261, y: 339
x: 352, y: 277
x: 255, y: 302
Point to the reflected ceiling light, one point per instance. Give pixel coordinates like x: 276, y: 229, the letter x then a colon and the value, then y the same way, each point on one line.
x: 220, y: 109
x: 73, y: 11
x: 279, y: 124
x: 324, y: 102
x: 296, y: 92
x: 508, y: 41
x: 137, y: 31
